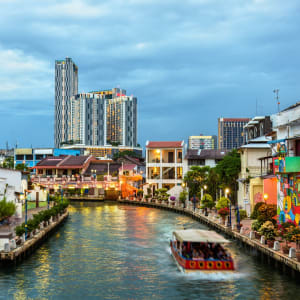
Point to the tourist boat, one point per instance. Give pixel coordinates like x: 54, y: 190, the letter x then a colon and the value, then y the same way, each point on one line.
x: 200, y: 250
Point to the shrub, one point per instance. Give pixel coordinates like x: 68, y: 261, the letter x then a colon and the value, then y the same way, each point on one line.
x: 222, y: 202
x: 268, y: 230
x: 256, y: 225
x: 207, y: 201
x: 20, y: 230
x: 267, y: 212
x: 7, y: 209
x: 243, y: 214
x: 223, y: 212
x: 254, y: 214
x: 182, y: 196
x: 140, y: 193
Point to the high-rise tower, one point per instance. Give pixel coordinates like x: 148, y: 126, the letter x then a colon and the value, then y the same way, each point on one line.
x: 66, y: 85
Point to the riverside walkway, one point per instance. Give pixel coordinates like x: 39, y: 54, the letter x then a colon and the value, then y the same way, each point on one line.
x: 244, y: 236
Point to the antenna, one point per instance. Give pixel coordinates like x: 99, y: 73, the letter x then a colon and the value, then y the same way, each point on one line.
x: 276, y: 92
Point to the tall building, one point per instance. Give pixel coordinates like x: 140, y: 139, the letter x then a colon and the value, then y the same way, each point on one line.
x: 104, y: 118
x: 66, y: 85
x: 231, y: 132
x: 202, y: 142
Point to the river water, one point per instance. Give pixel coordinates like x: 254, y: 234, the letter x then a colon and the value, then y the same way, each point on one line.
x: 110, y: 251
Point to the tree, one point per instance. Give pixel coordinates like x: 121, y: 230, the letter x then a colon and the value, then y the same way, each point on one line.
x: 228, y: 170
x: 8, y: 162
x: 207, y: 201
x: 195, y: 179
x: 213, y: 182
x: 22, y: 167
x: 126, y: 152
x: 222, y: 203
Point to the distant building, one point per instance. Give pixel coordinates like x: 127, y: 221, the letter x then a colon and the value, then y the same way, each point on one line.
x: 257, y: 127
x: 202, y: 142
x: 103, y: 151
x: 231, y: 132
x: 101, y: 118
x: 164, y: 162
x: 202, y: 158
x: 31, y: 156
x: 66, y: 85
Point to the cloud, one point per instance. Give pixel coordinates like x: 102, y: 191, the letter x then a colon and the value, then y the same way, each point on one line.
x: 187, y: 62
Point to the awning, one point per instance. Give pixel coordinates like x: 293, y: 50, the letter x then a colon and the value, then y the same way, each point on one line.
x: 276, y: 141
x: 199, y: 236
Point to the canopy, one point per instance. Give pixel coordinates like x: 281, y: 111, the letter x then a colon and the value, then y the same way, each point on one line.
x: 199, y: 236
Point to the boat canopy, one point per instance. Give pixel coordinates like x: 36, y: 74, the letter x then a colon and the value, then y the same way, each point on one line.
x: 199, y: 236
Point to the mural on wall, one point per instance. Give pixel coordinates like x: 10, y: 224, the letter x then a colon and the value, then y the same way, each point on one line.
x: 288, y: 198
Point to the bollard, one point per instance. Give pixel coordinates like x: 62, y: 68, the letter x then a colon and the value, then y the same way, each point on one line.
x: 41, y: 225
x: 220, y: 221
x: 6, y: 247
x: 292, y: 253
x: 263, y: 240
x: 233, y: 227
x: 226, y: 223
x: 13, y: 244
x: 276, y: 246
x: 252, y: 235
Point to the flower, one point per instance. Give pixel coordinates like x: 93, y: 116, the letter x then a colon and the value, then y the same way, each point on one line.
x: 223, y: 211
x: 172, y: 198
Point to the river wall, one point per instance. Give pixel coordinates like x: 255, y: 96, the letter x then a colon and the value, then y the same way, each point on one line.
x: 288, y: 265
x: 30, y: 245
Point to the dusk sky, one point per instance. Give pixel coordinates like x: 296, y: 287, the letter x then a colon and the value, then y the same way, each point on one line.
x: 188, y: 62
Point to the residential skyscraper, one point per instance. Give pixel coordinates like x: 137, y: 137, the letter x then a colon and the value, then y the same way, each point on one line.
x: 104, y: 118
x: 66, y: 85
x: 230, y: 132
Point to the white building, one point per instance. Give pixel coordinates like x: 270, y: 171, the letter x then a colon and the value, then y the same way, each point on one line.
x: 164, y: 164
x: 11, y: 187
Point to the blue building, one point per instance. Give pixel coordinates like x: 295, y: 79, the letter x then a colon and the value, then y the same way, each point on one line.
x: 31, y: 156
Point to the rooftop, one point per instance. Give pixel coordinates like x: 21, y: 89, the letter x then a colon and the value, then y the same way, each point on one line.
x: 206, y: 154
x: 164, y: 144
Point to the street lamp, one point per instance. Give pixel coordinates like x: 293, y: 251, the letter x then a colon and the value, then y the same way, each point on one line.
x: 205, y: 188
x: 227, y: 191
x: 266, y: 197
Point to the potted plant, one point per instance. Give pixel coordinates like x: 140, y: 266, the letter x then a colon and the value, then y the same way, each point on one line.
x: 268, y: 230
x: 285, y: 230
x: 223, y: 212
x: 255, y: 226
x: 207, y: 202
x: 173, y: 199
x: 182, y: 197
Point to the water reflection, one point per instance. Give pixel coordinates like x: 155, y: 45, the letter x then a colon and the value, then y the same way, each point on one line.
x: 110, y: 252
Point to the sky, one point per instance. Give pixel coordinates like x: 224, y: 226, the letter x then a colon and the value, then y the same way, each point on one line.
x: 188, y: 62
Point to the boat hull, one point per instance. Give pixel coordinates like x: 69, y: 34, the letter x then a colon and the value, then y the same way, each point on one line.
x: 189, y: 265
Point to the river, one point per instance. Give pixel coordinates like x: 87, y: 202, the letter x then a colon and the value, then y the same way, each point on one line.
x: 110, y: 251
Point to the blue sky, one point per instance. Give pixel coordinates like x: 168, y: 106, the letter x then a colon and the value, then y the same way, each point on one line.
x: 188, y: 62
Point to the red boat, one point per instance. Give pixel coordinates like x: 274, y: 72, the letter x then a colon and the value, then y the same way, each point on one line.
x: 200, y: 250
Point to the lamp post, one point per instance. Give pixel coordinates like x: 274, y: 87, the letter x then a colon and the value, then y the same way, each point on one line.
x: 48, y: 200
x: 266, y: 197
x: 205, y: 187
x: 229, y: 217
x: 26, y: 229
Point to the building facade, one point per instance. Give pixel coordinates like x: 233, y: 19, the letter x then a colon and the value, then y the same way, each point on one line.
x: 286, y: 162
x: 164, y: 164
x: 231, y: 132
x: 202, y: 142
x: 103, y: 118
x: 258, y: 126
x: 66, y: 85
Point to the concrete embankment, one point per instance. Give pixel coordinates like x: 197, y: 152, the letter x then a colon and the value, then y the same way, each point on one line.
x: 24, y: 250
x: 268, y: 255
